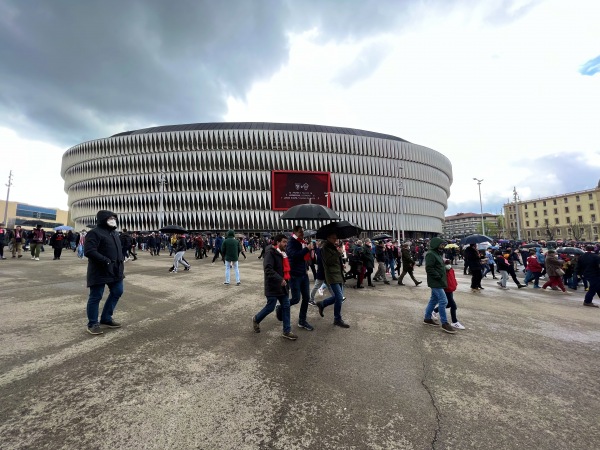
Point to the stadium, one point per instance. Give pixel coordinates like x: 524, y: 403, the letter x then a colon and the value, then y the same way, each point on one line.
x: 216, y: 176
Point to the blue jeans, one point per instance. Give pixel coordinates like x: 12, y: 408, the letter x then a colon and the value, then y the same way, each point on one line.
x: 300, y: 287
x: 438, y: 297
x: 336, y: 300
x: 318, y: 285
x: 284, y: 301
x: 96, y: 293
x: 228, y: 271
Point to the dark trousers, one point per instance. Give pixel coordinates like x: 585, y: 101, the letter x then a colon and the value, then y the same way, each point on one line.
x: 57, y: 252
x: 217, y: 253
x: 594, y: 289
x: 300, y: 289
x: 451, y: 304
x: 476, y: 278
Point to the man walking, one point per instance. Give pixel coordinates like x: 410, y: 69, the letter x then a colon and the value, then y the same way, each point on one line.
x: 334, y: 277
x: 180, y: 247
x: 105, y: 268
x: 408, y: 264
x: 3, y: 235
x: 589, y: 266
x: 18, y: 240
x: 38, y: 237
x: 380, y: 256
x: 277, y: 274
x: 297, y: 252
x: 217, y: 247
x: 230, y: 249
x: 437, y: 281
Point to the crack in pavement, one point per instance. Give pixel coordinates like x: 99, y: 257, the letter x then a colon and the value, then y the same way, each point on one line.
x: 437, y: 409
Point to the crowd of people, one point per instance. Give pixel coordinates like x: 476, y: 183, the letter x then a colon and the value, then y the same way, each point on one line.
x: 288, y: 258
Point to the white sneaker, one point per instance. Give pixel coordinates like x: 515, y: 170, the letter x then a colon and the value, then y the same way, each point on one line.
x: 37, y: 259
x: 435, y: 315
x: 33, y: 257
x: 458, y: 325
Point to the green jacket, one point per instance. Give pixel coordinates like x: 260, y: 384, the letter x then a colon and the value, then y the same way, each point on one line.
x: 231, y: 247
x: 434, y: 266
x: 332, y: 264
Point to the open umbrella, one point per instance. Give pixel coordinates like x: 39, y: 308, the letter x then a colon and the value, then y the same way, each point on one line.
x: 173, y: 229
x: 240, y: 235
x: 343, y: 230
x: 569, y: 251
x: 381, y: 236
x: 309, y: 233
x: 310, y: 211
x: 451, y: 246
x: 64, y: 228
x: 475, y: 239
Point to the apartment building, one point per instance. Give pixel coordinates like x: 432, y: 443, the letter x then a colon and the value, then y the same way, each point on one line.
x: 565, y: 216
x: 465, y: 224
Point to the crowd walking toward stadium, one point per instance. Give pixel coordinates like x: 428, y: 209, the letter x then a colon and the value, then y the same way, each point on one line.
x: 289, y: 257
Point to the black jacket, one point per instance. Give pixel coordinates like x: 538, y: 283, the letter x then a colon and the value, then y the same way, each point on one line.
x: 472, y: 258
x: 103, y: 249
x: 273, y: 265
x: 588, y: 265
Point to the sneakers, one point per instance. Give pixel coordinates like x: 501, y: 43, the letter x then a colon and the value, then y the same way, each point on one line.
x: 255, y: 325
x: 37, y: 259
x: 312, y: 303
x: 279, y: 313
x: 435, y: 315
x: 593, y: 305
x: 111, y: 324
x: 306, y: 326
x: 33, y: 257
x: 431, y: 322
x: 458, y: 325
x: 238, y: 283
x: 95, y: 329
x: 187, y: 268
x: 417, y: 283
x: 341, y: 323
x: 520, y: 286
x: 226, y: 283
x: 321, y: 308
x: 448, y: 328
x: 171, y: 269
x: 289, y: 335
x: 400, y: 284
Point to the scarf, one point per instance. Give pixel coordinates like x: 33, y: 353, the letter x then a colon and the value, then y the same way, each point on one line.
x: 286, y: 265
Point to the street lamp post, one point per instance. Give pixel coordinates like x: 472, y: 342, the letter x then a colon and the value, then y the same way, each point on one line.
x: 8, y: 185
x: 517, y: 213
x: 161, y: 217
x: 480, y: 206
x: 399, y: 207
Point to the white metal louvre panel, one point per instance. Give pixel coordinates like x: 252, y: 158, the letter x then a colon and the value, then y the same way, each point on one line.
x: 218, y: 179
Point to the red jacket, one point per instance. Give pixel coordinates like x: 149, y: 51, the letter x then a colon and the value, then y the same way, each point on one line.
x: 533, y: 265
x: 451, y: 279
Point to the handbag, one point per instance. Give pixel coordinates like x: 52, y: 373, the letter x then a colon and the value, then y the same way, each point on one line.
x: 560, y: 272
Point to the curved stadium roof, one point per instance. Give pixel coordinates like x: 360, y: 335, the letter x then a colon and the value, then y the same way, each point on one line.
x: 259, y: 126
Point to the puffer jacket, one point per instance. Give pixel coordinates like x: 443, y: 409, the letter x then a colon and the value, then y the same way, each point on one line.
x: 103, y: 250
x: 434, y: 266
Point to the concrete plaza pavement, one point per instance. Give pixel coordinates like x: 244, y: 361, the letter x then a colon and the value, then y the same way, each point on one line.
x: 187, y: 371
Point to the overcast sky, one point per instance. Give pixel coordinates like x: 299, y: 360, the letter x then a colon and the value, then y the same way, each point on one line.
x: 508, y: 90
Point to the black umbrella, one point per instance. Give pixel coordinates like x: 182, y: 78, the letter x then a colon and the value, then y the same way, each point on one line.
x: 475, y: 239
x: 381, y: 236
x: 310, y: 211
x: 570, y: 251
x: 342, y: 229
x: 530, y: 245
x: 173, y: 229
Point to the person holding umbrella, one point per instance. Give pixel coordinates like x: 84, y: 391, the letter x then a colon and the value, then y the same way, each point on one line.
x: 298, y: 252
x: 334, y: 277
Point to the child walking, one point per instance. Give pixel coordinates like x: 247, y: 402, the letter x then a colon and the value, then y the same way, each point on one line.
x: 452, y: 285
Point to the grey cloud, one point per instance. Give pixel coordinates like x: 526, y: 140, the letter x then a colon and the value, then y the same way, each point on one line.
x: 78, y: 70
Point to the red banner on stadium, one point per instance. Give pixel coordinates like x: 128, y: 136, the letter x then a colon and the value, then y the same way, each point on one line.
x: 291, y: 188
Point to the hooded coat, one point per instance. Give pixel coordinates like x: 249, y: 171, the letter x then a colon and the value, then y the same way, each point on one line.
x: 231, y: 247
x: 103, y: 249
x: 434, y: 266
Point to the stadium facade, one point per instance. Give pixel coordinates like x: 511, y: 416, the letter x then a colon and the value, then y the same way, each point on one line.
x: 218, y: 176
